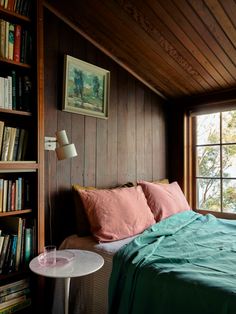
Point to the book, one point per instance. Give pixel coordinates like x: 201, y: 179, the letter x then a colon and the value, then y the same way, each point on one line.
x: 7, y: 258
x: 14, y: 157
x: 6, y: 82
x: 9, y: 195
x: 21, y: 144
x: 1, y: 194
x: 2, y: 92
x: 26, y: 92
x: 14, y: 286
x: 11, y: 144
x: 1, y: 134
x: 17, y: 43
x: 9, y: 92
x: 16, y: 307
x: 12, y: 257
x: 25, y: 292
x: 2, y: 38
x: 12, y: 301
x: 4, y: 197
x: 4, y: 252
x: 1, y: 243
x: 19, y: 199
x: 6, y: 39
x: 19, y: 105
x: 13, y: 195
x: 10, y: 5
x: 11, y: 41
x: 5, y: 143
x: 28, y: 252
x: 13, y: 74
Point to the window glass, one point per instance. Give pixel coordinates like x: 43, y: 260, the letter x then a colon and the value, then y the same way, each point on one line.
x: 208, y: 194
x: 229, y: 196
x: 229, y: 127
x: 208, y: 129
x: 229, y: 161
x: 208, y: 161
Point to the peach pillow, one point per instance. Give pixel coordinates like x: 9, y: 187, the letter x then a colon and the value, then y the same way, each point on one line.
x: 164, y: 199
x: 117, y: 214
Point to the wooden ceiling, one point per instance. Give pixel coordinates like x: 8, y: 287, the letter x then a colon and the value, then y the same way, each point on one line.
x: 179, y: 48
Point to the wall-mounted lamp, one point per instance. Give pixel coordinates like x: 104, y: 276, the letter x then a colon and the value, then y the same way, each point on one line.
x: 64, y: 149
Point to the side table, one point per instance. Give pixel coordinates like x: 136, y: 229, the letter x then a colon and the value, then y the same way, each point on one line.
x: 83, y: 263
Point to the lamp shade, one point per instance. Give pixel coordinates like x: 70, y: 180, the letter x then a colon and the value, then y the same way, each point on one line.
x: 65, y: 150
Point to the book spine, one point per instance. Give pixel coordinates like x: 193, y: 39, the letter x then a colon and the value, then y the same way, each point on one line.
x: 6, y: 91
x: 10, y: 296
x: 3, y: 38
x: 12, y: 302
x: 19, y: 241
x: 14, y: 286
x: 4, y: 252
x: 1, y: 196
x: 4, y: 199
x: 17, y: 307
x: 6, y: 142
x: 11, y: 41
x: 12, y: 259
x: 1, y: 133
x: 14, y: 157
x: 2, y: 96
x: 9, y: 196
x: 19, y: 202
x: 11, y: 144
x: 9, y: 92
x: 17, y: 43
x: 6, y: 39
x: 13, y: 75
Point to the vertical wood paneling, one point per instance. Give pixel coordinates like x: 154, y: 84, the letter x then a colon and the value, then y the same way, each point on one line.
x: 122, y: 152
x: 148, y: 135
x: 110, y: 152
x: 140, y: 151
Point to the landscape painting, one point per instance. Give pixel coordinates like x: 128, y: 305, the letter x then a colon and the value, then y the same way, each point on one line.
x: 85, y: 88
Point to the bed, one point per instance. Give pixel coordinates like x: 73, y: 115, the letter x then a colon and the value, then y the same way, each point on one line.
x: 89, y: 294
x: 160, y: 256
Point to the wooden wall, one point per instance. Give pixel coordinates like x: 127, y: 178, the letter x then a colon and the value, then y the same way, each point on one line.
x: 130, y: 145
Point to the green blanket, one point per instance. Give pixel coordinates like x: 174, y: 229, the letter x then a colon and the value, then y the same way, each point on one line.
x: 185, y: 264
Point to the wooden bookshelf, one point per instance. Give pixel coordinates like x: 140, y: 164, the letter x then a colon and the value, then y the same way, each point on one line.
x: 31, y: 169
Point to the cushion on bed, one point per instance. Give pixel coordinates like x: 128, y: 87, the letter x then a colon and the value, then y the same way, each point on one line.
x: 164, y: 199
x: 117, y: 213
x: 82, y: 223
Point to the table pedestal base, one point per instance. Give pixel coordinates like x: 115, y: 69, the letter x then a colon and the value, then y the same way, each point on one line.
x: 67, y: 295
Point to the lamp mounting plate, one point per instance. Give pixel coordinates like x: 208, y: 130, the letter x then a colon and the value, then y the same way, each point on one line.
x: 50, y: 143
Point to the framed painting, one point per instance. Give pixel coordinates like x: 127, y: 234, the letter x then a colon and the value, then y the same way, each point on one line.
x: 85, y: 88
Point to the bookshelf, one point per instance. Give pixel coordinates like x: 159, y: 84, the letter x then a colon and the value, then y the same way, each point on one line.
x: 21, y: 161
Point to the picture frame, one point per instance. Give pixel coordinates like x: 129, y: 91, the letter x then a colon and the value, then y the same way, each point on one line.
x: 86, y: 88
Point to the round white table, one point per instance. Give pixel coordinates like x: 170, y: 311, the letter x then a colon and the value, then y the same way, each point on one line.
x: 83, y: 263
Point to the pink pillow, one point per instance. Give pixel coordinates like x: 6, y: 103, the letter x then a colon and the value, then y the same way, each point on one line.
x: 117, y: 214
x: 164, y: 199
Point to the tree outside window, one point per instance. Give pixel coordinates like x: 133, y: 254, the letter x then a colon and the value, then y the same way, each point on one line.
x: 216, y: 162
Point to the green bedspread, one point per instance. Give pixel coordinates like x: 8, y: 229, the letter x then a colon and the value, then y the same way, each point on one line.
x: 186, y: 264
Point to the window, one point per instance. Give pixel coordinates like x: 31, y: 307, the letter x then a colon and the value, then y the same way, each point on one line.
x: 214, y: 159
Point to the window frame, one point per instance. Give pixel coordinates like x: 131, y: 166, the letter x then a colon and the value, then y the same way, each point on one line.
x: 191, y: 174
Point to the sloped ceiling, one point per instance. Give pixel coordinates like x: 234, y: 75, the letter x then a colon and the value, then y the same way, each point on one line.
x: 179, y: 48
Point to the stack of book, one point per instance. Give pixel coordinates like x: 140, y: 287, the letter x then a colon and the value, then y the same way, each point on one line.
x: 22, y: 7
x: 15, y: 92
x: 14, y: 296
x: 13, y: 143
x: 15, y: 43
x: 14, y: 194
x: 17, y: 244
